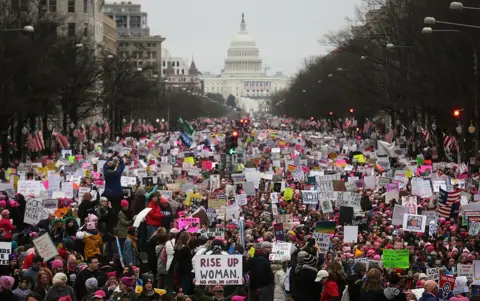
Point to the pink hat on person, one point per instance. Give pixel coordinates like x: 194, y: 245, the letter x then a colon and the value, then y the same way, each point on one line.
x: 430, y: 249
x: 377, y: 257
x: 91, y: 226
x: 3, y: 204
x: 124, y: 203
x: 5, y: 213
x: 458, y: 298
x: 57, y: 263
x: 14, y: 204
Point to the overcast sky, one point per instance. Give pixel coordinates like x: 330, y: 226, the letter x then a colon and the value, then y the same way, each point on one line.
x: 286, y: 31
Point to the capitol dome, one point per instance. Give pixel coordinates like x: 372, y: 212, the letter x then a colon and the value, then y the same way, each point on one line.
x: 243, y: 56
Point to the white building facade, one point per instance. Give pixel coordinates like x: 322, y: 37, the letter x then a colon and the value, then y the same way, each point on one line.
x: 243, y: 75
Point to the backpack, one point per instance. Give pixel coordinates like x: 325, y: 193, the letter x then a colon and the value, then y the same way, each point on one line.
x: 163, y: 255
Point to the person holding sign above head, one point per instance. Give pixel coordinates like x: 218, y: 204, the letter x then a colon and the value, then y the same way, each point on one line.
x: 112, y: 171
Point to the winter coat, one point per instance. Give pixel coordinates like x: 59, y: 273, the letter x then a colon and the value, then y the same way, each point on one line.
x: 167, y: 217
x: 7, y: 295
x: 428, y: 297
x: 279, y: 276
x: 122, y: 226
x: 376, y: 295
x: 79, y: 285
x: 6, y: 227
x: 261, y: 274
x: 130, y: 254
x: 84, y: 209
x: 57, y: 291
x: 354, y: 283
x: 113, y: 186
x: 93, y: 245
x: 306, y: 289
x: 170, y: 245
x: 154, y: 217
x: 330, y: 290
x: 394, y: 294
x: 184, y: 260
x: 117, y: 296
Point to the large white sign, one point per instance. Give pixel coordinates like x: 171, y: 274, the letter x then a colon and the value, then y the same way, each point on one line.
x: 218, y: 270
x: 34, y: 212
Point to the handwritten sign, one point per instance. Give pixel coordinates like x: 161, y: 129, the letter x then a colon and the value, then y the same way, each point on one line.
x: 34, y: 212
x: 396, y: 259
x: 51, y: 204
x: 433, y: 274
x: 190, y: 224
x: 218, y: 270
x: 166, y: 194
x: 323, y: 241
x: 280, y: 251
x: 325, y: 190
x: 241, y: 199
x: 5, y: 251
x: 465, y: 270
x: 45, y: 247
x: 28, y: 188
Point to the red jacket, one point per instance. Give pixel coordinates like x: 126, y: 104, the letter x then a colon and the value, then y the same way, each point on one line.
x: 6, y: 226
x: 154, y: 217
x: 330, y: 289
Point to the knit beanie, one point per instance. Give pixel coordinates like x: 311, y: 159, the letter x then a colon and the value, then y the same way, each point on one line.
x: 91, y: 284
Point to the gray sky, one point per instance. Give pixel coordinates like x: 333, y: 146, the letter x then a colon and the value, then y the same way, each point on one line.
x: 286, y: 31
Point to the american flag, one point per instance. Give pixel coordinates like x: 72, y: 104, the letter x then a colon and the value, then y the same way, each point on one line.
x: 61, y: 140
x: 426, y: 134
x: 367, y: 127
x: 446, y: 200
x: 35, y: 141
x: 106, y: 128
x: 348, y: 123
x: 389, y: 136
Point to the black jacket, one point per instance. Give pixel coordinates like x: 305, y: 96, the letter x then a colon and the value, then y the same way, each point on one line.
x: 376, y: 295
x: 85, y: 208
x: 79, y: 285
x: 394, y: 294
x: 305, y: 288
x: 260, y: 268
x: 7, y: 295
x: 354, y: 283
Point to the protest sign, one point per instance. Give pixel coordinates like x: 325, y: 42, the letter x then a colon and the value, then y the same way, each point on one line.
x: 447, y: 285
x: 310, y: 197
x: 50, y: 204
x: 216, y: 203
x: 414, y: 223
x: 218, y: 233
x: 280, y: 251
x: 28, y: 188
x: 34, y: 212
x: 241, y: 199
x: 166, y: 193
x: 433, y: 274
x: 190, y: 224
x: 396, y: 259
x: 218, y: 270
x: 45, y: 247
x: 279, y: 232
x: 465, y: 270
x: 5, y: 251
x: 325, y: 190
x: 323, y: 241
x: 238, y: 178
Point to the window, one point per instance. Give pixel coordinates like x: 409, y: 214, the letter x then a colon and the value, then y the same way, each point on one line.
x: 163, y: 71
x: 71, y: 29
x: 52, y: 6
x: 183, y: 71
x: 178, y: 64
x: 85, y: 29
x: 71, y: 6
x: 163, y: 63
x: 178, y: 71
x: 85, y: 6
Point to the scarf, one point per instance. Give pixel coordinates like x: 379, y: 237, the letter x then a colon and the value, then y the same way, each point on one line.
x: 133, y: 239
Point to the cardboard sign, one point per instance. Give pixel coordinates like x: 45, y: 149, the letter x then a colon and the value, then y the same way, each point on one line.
x: 396, y: 259
x: 447, y: 284
x: 34, y: 212
x: 5, y: 251
x: 218, y: 270
x: 191, y: 224
x: 280, y: 251
x: 45, y: 247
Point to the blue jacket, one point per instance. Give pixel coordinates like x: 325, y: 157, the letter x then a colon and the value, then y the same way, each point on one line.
x: 129, y: 254
x: 113, y: 186
x: 428, y: 297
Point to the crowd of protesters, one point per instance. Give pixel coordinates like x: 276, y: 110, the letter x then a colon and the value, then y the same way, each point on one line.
x: 103, y: 256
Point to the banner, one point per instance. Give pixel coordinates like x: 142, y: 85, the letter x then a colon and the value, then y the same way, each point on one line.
x: 396, y: 259
x: 218, y: 270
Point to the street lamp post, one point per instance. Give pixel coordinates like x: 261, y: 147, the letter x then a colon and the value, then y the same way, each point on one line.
x: 27, y: 28
x: 433, y: 21
x: 459, y: 6
x: 476, y: 100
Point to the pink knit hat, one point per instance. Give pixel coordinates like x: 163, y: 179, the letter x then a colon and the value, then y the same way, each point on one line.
x: 5, y: 213
x: 124, y: 203
x: 56, y: 264
x: 6, y: 282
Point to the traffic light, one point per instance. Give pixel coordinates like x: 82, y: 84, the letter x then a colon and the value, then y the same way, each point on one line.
x: 232, y: 142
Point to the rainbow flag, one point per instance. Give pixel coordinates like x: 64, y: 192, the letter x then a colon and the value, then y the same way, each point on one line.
x: 325, y: 227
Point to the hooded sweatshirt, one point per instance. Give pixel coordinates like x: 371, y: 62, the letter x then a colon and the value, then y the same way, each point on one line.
x: 393, y: 293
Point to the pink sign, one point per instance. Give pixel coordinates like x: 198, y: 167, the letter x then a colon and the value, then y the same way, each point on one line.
x: 190, y: 224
